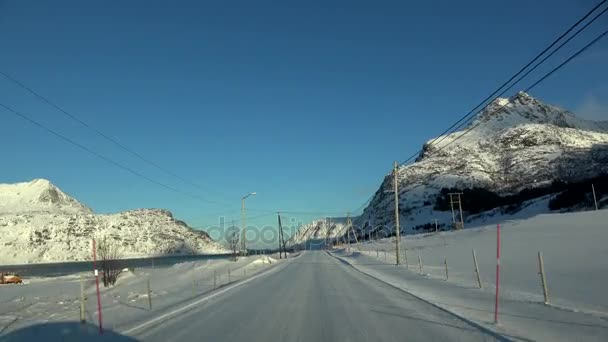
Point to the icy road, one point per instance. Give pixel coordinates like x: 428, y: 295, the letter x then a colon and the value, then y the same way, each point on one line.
x: 314, y: 297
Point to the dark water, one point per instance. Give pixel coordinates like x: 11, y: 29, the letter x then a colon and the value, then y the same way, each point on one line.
x: 65, y: 268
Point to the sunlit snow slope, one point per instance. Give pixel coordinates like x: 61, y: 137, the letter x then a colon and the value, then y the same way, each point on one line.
x: 40, y: 223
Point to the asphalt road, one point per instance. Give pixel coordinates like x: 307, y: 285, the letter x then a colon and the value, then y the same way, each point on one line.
x: 314, y: 297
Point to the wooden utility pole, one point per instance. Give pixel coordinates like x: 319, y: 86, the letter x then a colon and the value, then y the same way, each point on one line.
x: 397, y: 226
x: 243, y: 246
x: 452, y: 202
x: 453, y: 215
x: 349, y: 223
x: 348, y: 240
x: 280, y: 237
x: 244, y: 235
x: 326, y: 230
x: 461, y: 216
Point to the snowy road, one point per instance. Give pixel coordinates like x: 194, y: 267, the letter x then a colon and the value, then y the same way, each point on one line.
x: 315, y: 297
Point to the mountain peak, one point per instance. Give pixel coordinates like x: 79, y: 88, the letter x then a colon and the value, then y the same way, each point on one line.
x: 37, y: 195
x: 523, y: 109
x: 524, y: 96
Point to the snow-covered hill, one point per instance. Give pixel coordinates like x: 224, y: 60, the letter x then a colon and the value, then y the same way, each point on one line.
x: 517, y: 144
x: 40, y: 223
x: 319, y: 230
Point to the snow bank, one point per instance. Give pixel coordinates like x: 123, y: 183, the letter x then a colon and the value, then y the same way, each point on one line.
x: 43, y: 300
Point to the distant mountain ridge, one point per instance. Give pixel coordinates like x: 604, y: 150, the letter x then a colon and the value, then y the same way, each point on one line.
x: 40, y: 223
x: 319, y: 230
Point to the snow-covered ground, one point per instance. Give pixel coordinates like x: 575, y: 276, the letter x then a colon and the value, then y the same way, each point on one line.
x: 573, y: 245
x: 574, y: 250
x: 41, y: 300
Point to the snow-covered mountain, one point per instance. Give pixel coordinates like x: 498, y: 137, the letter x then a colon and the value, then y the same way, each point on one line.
x: 40, y: 223
x: 516, y: 143
x: 511, y: 145
x: 38, y: 195
x: 319, y: 230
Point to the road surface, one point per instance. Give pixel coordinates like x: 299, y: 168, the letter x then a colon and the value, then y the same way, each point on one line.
x: 315, y: 297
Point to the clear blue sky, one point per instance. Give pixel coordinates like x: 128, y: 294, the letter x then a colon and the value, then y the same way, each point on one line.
x: 308, y: 103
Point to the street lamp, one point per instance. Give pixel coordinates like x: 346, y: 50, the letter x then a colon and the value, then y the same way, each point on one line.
x: 243, y: 246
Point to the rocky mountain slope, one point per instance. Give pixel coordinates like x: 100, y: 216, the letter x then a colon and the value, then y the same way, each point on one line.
x: 517, y: 144
x: 40, y: 223
x: 319, y: 230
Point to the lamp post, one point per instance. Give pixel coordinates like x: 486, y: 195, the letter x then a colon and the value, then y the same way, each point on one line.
x: 243, y: 245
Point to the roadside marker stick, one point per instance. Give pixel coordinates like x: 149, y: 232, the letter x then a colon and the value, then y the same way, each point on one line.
x: 543, y: 277
x: 477, y: 270
x: 97, y: 286
x: 149, y: 295
x: 594, y: 198
x: 446, y: 269
x: 83, y: 318
x: 497, y: 272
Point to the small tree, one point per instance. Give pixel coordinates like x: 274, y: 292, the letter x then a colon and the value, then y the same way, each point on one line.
x: 232, y: 237
x: 109, y: 255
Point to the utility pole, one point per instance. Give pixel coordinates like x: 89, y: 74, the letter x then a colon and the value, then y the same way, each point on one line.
x: 452, y: 202
x: 282, y: 238
x: 452, y: 206
x: 280, y: 231
x: 397, y: 226
x: 243, y: 238
x: 348, y: 240
x: 328, y: 231
x: 243, y: 225
x: 350, y: 225
x: 461, y: 215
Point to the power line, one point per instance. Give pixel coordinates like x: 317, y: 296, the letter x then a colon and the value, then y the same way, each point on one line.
x: 205, y: 226
x: 104, y: 158
x: 97, y: 131
x: 268, y: 213
x: 593, y: 42
x: 520, y: 78
x: 535, y: 66
x: 132, y: 171
x: 472, y: 111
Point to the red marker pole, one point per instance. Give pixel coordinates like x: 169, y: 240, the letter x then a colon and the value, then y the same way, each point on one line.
x: 497, y: 271
x: 97, y: 285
